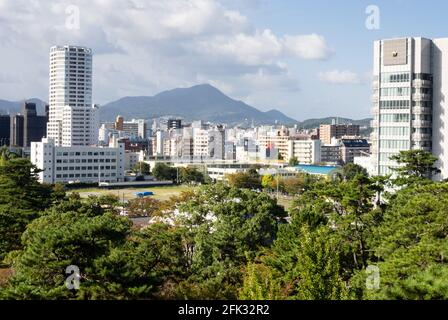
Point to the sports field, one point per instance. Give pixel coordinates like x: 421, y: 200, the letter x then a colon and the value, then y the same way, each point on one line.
x: 160, y: 193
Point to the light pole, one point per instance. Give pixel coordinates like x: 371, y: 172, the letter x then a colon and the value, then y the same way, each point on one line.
x: 277, y: 186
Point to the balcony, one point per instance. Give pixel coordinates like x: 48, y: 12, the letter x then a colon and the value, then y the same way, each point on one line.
x: 421, y: 97
x: 421, y: 83
x: 422, y: 110
x: 421, y: 123
x: 421, y: 136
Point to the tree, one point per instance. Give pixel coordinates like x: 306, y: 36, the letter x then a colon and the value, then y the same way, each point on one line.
x: 191, y: 175
x: 144, y: 207
x: 293, y: 162
x: 410, y: 246
x: 142, y: 168
x: 162, y: 171
x: 266, y: 181
x: 224, y: 228
x: 260, y: 283
x: 414, y: 166
x: 22, y: 199
x: 246, y: 180
x: 61, y: 238
x: 349, y: 172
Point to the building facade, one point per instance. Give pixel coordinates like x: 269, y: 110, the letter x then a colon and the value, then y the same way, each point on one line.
x: 83, y: 164
x: 305, y: 151
x: 330, y: 131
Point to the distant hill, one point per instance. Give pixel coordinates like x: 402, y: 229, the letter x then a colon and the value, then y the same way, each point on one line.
x: 201, y: 102
x: 13, y: 107
x: 314, y: 123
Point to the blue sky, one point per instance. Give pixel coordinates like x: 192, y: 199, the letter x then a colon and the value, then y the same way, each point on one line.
x: 306, y: 58
x: 342, y: 23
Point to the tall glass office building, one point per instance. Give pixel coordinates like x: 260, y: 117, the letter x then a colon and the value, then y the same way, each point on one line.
x: 409, y: 89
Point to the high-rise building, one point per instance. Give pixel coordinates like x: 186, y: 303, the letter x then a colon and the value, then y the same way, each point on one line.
x: 174, y: 124
x: 5, y: 125
x: 28, y: 127
x: 410, y: 108
x: 329, y: 131
x: 72, y: 116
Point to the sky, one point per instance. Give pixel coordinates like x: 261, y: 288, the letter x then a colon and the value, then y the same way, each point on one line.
x: 308, y: 59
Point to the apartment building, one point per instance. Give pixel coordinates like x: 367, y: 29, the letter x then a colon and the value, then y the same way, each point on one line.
x: 305, y: 151
x: 330, y: 131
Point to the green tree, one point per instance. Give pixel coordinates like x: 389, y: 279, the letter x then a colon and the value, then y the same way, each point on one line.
x: 260, y: 283
x: 191, y: 175
x: 142, y: 168
x: 349, y: 172
x: 318, y: 268
x: 293, y: 162
x: 163, y: 171
x: 245, y: 180
x: 224, y: 228
x: 414, y: 166
x: 22, y: 198
x: 410, y: 246
x: 266, y: 181
x: 144, y: 207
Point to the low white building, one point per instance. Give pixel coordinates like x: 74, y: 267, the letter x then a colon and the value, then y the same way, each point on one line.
x: 78, y: 163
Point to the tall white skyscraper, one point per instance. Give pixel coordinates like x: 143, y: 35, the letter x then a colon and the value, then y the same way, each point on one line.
x: 73, y: 118
x: 409, y: 102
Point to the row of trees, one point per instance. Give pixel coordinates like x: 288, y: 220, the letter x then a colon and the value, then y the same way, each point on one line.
x: 187, y: 175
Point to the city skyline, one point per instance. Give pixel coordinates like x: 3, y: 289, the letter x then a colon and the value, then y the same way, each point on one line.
x: 251, y: 50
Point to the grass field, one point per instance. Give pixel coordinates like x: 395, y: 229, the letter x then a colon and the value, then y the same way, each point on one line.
x: 160, y: 193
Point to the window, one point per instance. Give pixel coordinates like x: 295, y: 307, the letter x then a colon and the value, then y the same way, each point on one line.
x: 395, y: 77
x: 394, y: 117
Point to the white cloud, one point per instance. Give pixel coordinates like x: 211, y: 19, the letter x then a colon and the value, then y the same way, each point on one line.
x: 340, y: 77
x: 144, y: 46
x: 311, y: 46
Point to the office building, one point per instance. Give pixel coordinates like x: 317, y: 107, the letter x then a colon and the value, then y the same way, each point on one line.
x: 5, y: 130
x: 351, y: 148
x: 409, y: 100
x: 80, y: 164
x: 174, y: 124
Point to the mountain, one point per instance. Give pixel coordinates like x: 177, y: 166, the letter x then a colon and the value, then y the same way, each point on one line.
x: 201, y: 102
x: 12, y: 107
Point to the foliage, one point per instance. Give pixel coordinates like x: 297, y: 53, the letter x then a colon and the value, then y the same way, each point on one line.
x: 293, y: 161
x: 225, y: 228
x: 191, y: 175
x: 142, y: 168
x: 22, y: 198
x: 143, y: 207
x: 163, y: 171
x: 245, y: 180
x: 410, y: 246
x: 414, y: 166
